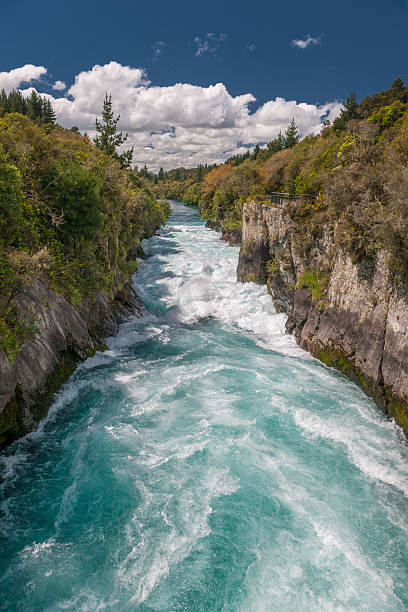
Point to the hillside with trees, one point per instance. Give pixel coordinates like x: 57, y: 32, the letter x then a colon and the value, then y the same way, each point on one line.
x: 36, y: 107
x: 71, y: 214
x: 355, y: 170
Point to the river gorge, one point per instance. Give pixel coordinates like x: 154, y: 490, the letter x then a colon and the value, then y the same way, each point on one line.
x: 205, y: 462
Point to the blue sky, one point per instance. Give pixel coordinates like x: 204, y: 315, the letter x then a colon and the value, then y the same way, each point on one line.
x: 246, y: 46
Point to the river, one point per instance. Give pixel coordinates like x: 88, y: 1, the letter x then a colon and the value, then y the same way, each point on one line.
x: 205, y: 462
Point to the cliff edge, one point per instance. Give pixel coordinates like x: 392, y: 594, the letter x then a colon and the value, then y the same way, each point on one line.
x: 65, y: 335
x: 347, y: 314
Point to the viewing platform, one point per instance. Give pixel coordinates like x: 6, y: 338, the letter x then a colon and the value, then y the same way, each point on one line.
x: 281, y: 198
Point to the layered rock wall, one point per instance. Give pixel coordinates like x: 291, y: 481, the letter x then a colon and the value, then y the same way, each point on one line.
x: 349, y: 318
x: 65, y: 334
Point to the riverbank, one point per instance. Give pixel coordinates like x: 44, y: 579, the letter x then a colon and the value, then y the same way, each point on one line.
x: 65, y: 335
x: 71, y: 222
x: 204, y: 461
x: 349, y: 316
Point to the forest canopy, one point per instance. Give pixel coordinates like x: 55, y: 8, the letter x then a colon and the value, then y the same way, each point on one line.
x: 355, y: 174
x: 71, y: 215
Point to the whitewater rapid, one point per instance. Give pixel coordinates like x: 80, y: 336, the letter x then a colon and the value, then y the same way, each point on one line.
x: 205, y: 462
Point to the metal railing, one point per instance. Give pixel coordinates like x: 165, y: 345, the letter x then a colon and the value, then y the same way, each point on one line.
x: 281, y: 198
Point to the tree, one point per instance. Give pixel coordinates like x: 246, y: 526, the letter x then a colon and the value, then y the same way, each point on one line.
x: 11, y: 201
x: 3, y: 100
x: 144, y: 172
x: 35, y: 106
x: 292, y: 135
x: 398, y: 84
x: 351, y: 107
x: 199, y: 173
x: 16, y: 103
x: 256, y: 151
x: 125, y: 158
x: 161, y: 174
x: 108, y: 138
x: 75, y: 195
x: 349, y: 111
x: 48, y: 113
x: 275, y: 145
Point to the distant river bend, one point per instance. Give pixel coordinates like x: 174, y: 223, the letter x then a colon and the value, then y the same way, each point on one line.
x: 205, y: 462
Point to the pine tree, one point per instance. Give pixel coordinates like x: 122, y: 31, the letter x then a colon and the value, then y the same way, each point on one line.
x: 199, y: 173
x: 160, y: 175
x: 292, y: 135
x: 349, y: 111
x: 398, y: 84
x: 351, y: 107
x: 48, y: 113
x: 255, y: 152
x: 125, y: 158
x: 108, y: 138
x: 16, y: 102
x: 35, y: 106
x: 144, y: 172
x: 4, y: 101
x: 276, y: 145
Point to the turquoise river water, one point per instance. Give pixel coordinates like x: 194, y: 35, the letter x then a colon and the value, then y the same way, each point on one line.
x: 205, y: 462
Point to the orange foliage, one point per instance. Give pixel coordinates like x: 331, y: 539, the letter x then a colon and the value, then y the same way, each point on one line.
x: 273, y: 169
x: 213, y: 178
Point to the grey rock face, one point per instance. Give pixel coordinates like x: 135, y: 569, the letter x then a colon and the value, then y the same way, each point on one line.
x: 66, y: 335
x: 360, y: 326
x: 233, y: 237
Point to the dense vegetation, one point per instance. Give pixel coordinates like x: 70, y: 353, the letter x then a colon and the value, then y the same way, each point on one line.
x: 356, y: 170
x: 70, y: 215
x: 37, y: 107
x: 72, y: 212
x: 190, y: 185
x: 178, y: 184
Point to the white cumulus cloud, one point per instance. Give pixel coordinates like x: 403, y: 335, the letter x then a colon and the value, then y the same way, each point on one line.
x: 309, y: 41
x: 26, y: 74
x: 182, y: 124
x: 59, y: 86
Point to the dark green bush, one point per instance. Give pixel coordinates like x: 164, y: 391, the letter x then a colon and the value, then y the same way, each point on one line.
x: 75, y: 192
x: 11, y: 201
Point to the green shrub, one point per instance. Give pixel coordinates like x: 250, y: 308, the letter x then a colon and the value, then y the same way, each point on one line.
x: 11, y: 201
x: 192, y: 194
x: 15, y: 329
x: 317, y: 281
x: 70, y: 216
x: 75, y: 191
x: 388, y: 115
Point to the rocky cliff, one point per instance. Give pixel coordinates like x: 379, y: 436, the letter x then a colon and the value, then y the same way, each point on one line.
x: 232, y: 236
x: 347, y: 314
x: 65, y: 334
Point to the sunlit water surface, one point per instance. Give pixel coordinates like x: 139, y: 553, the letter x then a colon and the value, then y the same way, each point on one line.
x: 205, y: 462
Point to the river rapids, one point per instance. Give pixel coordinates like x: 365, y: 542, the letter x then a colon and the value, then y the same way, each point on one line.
x: 205, y: 463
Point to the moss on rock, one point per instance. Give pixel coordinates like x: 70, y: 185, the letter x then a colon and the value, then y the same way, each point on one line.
x: 392, y: 406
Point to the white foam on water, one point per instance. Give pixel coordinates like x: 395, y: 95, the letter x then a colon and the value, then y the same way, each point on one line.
x: 206, y: 287
x: 183, y: 429
x: 37, y: 548
x: 384, y: 463
x: 10, y: 462
x: 150, y: 560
